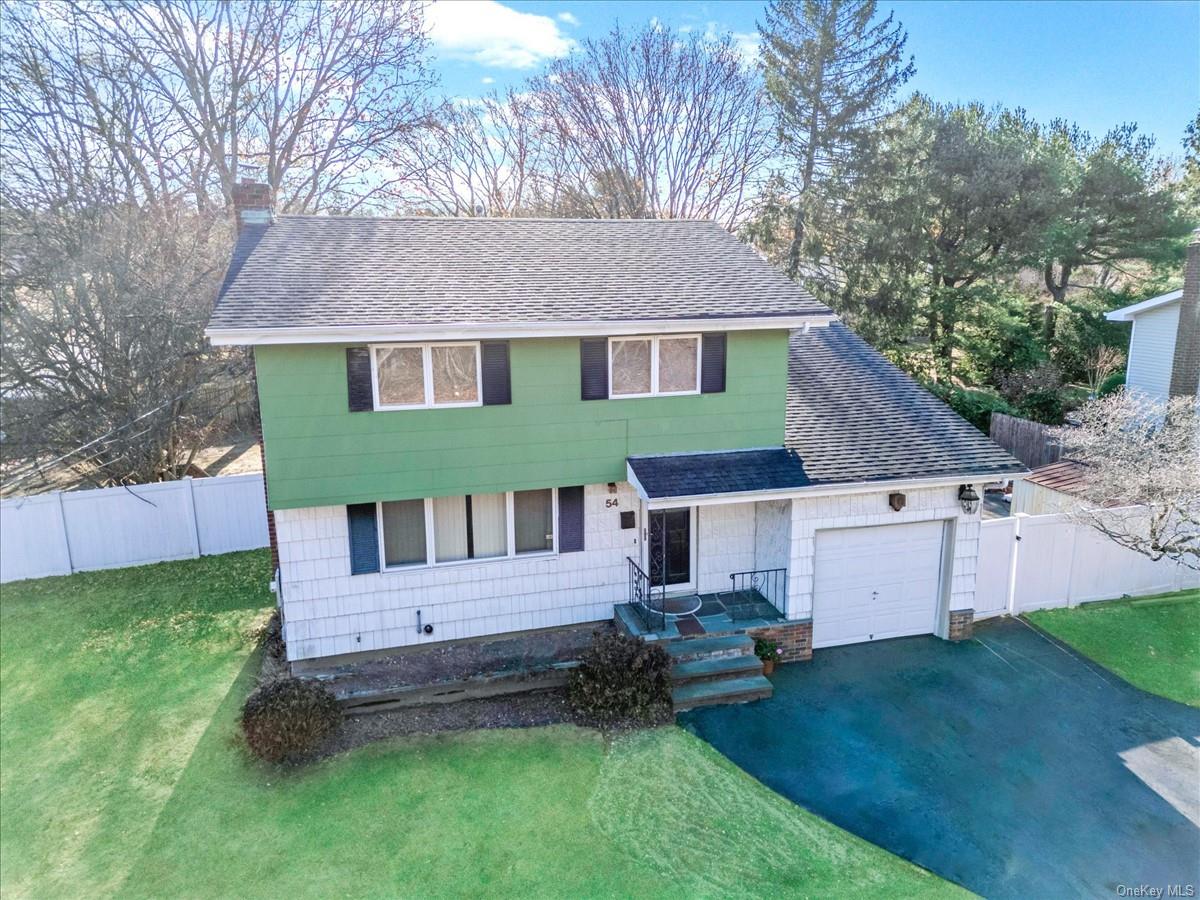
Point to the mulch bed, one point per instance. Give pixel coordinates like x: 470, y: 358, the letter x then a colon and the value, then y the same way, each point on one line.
x: 445, y: 664
x: 509, y: 711
x: 458, y: 661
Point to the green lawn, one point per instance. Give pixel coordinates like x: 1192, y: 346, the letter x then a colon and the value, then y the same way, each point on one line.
x: 1152, y: 642
x: 121, y: 774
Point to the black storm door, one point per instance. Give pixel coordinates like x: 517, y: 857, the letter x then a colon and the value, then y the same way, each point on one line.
x: 670, y: 547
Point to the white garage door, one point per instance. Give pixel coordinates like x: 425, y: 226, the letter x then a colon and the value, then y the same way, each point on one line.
x: 876, y: 583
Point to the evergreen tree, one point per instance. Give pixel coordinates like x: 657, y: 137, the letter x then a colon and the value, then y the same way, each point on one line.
x: 1114, y: 204
x: 830, y: 71
x: 960, y: 199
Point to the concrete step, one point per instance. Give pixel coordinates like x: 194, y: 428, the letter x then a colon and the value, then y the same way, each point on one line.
x: 714, y: 693
x: 698, y: 648
x: 714, y: 668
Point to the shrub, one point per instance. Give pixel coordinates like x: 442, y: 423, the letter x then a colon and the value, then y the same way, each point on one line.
x: 287, y: 718
x: 974, y: 406
x: 621, y: 679
x: 1112, y: 384
x: 1042, y: 406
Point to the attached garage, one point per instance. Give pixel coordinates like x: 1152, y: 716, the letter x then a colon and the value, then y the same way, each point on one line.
x: 878, y: 582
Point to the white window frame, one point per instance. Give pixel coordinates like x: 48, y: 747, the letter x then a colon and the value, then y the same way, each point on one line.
x: 431, y: 538
x: 654, y: 339
x: 427, y: 371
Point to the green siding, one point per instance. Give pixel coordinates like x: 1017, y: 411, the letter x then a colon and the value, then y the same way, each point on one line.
x: 319, y: 453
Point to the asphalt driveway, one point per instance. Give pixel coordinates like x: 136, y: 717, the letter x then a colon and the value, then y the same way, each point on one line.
x: 1008, y: 764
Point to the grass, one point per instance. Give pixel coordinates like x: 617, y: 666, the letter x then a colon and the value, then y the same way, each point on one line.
x: 121, y: 774
x: 1151, y: 642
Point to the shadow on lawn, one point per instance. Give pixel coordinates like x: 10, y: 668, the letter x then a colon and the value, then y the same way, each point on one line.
x: 109, y: 682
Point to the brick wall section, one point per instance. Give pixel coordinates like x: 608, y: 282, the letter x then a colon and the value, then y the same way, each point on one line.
x: 1185, y: 373
x: 794, y: 639
x: 248, y: 195
x: 962, y: 624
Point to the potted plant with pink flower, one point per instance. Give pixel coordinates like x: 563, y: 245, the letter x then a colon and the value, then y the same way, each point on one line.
x: 769, y: 652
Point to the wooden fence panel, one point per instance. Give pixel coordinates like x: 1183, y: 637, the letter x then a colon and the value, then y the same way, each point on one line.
x: 1030, y: 442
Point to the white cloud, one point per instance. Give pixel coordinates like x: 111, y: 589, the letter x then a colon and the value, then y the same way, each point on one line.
x: 492, y: 34
x: 568, y: 18
x: 487, y: 80
x: 746, y: 43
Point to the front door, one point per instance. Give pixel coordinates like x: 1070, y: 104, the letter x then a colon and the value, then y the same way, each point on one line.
x: 670, y: 549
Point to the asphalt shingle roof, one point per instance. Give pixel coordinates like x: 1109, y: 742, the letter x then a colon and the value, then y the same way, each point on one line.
x: 699, y: 474
x: 853, y: 416
x: 318, y: 271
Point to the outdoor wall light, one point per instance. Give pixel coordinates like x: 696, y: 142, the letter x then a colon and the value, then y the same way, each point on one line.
x: 896, y: 501
x: 968, y: 498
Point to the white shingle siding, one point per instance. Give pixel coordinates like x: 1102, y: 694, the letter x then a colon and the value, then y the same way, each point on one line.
x: 1152, y: 351
x: 810, y: 515
x: 327, y: 611
x: 724, y: 544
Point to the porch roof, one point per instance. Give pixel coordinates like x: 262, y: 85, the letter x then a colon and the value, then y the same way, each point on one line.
x: 725, y: 472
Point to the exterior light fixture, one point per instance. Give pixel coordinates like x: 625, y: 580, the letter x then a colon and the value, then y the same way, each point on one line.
x: 968, y: 498
x: 896, y: 501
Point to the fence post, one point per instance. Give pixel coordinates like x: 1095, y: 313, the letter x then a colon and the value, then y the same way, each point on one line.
x: 66, y: 537
x: 191, y: 504
x: 1012, y: 564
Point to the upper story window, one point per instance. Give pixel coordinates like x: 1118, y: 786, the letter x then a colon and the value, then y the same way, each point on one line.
x: 412, y: 376
x: 654, y: 366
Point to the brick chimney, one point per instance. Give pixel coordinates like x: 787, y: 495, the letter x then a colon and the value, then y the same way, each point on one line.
x: 1185, y: 373
x: 252, y: 203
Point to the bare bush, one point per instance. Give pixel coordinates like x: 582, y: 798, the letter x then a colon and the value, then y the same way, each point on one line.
x: 1142, y: 453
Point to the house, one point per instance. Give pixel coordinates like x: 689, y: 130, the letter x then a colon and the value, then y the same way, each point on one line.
x: 474, y: 427
x: 1049, y: 488
x: 1164, y: 346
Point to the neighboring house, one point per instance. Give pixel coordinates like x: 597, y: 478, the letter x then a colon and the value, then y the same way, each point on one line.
x: 1049, y: 489
x: 1164, y: 346
x: 481, y: 426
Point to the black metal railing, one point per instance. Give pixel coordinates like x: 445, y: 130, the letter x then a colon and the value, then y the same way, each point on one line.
x: 646, y: 600
x: 748, y: 590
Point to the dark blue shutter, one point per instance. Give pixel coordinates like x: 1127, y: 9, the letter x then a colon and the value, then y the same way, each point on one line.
x: 497, y: 383
x: 364, y: 541
x: 593, y: 368
x: 570, y: 519
x: 712, y: 364
x: 358, y: 379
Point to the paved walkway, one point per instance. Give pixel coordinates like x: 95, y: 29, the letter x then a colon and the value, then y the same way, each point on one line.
x: 1008, y: 764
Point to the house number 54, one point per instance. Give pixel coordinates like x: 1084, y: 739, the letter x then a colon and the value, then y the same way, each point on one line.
x: 611, y: 502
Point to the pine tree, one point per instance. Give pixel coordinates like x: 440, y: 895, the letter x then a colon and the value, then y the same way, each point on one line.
x: 830, y: 72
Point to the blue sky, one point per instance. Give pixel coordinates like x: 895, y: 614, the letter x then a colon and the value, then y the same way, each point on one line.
x: 1097, y: 63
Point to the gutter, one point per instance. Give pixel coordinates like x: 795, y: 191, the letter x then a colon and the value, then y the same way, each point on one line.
x: 356, y: 334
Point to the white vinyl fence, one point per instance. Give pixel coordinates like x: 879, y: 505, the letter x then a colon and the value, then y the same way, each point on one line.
x: 1040, y: 562
x: 60, y: 533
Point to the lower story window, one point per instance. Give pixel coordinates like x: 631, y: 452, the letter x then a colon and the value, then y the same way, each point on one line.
x: 533, y: 518
x: 471, y: 527
x: 404, y: 533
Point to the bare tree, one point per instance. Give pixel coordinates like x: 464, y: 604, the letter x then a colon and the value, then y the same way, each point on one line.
x: 103, y: 314
x: 1141, y: 458
x: 316, y: 97
x: 483, y: 158
x: 655, y: 123
x: 1100, y: 362
x: 125, y: 127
